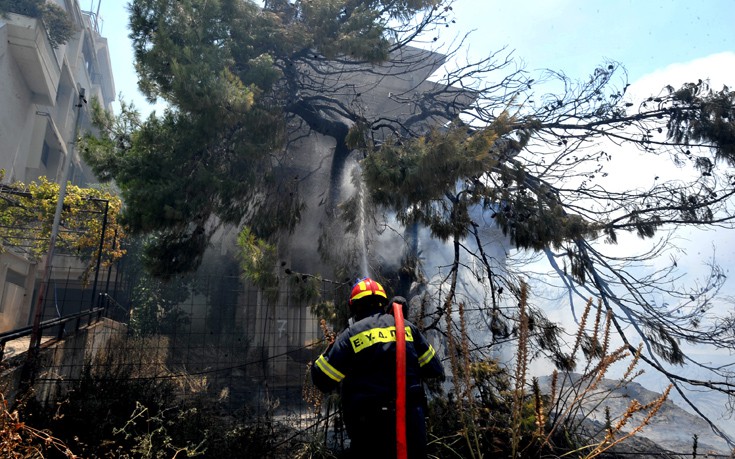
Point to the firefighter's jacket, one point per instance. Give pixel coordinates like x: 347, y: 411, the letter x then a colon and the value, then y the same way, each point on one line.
x: 363, y: 359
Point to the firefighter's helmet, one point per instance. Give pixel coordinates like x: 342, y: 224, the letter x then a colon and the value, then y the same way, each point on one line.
x: 368, y: 289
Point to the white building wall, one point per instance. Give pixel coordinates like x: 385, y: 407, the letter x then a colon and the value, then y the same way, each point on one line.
x: 39, y: 91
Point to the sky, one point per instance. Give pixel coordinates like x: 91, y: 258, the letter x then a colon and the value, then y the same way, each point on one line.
x: 572, y: 36
x: 658, y: 42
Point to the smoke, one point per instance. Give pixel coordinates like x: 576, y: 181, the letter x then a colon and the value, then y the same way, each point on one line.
x: 474, y: 289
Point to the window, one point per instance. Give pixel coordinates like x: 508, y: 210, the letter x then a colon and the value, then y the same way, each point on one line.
x: 89, y: 58
x: 45, y: 153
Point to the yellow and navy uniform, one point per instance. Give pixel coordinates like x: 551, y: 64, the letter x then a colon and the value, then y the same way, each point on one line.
x: 363, y: 360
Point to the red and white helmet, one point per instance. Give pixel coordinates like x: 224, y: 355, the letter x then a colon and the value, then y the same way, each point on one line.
x: 366, y: 287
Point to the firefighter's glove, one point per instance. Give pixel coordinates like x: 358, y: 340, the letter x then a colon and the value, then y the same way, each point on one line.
x: 400, y: 300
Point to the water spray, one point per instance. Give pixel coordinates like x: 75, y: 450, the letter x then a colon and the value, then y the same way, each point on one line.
x: 361, y: 233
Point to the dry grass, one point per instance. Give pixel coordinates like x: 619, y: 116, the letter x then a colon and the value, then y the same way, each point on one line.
x: 21, y: 441
x: 576, y: 398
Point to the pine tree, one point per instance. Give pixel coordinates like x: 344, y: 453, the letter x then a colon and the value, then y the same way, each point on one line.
x: 236, y: 75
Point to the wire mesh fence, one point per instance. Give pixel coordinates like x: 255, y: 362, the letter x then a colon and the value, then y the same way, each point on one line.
x: 215, y: 340
x: 222, y: 340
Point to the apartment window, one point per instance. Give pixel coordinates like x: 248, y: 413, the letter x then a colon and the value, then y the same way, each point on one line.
x: 88, y: 59
x: 73, y: 174
x: 45, y: 154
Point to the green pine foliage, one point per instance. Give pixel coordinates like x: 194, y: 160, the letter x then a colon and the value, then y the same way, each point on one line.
x: 437, y: 179
x: 713, y: 123
x: 244, y: 78
x: 221, y: 65
x: 257, y: 259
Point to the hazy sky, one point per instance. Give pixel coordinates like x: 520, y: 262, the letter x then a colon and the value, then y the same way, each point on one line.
x: 568, y: 35
x: 575, y: 35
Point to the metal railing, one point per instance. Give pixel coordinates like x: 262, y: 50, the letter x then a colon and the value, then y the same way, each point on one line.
x: 47, y: 324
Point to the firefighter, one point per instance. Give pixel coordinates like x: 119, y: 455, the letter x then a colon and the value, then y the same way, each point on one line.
x: 363, y: 360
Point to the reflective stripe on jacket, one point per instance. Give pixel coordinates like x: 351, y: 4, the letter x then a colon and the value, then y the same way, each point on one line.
x: 363, y: 359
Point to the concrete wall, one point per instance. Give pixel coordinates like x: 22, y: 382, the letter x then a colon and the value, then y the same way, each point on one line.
x: 64, y: 358
x: 16, y: 290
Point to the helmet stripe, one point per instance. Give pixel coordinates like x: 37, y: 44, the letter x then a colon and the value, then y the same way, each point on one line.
x: 365, y: 287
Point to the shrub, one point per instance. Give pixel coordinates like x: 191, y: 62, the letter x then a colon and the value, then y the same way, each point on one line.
x: 58, y: 25
x: 126, y: 405
x: 18, y: 440
x: 494, y: 411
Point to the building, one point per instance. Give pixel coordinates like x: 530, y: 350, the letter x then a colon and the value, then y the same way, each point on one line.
x: 40, y: 87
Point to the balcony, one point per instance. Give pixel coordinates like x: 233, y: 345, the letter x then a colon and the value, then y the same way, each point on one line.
x: 34, y: 55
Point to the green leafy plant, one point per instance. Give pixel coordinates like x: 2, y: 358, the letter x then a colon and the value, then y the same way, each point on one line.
x: 59, y: 26
x: 258, y: 261
x: 89, y: 216
x: 154, y: 307
x: 151, y: 438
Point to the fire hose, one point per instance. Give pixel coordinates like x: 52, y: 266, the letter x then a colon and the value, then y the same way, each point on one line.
x: 401, y: 446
